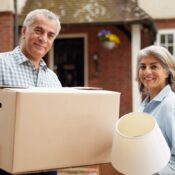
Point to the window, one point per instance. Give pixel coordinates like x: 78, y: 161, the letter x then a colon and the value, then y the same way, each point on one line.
x: 166, y: 38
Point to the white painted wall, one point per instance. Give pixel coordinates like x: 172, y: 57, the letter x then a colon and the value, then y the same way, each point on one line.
x: 158, y: 9
x: 8, y: 5
x: 21, y: 3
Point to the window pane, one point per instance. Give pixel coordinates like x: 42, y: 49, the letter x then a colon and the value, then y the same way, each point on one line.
x: 170, y: 48
x: 162, y: 38
x: 170, y: 38
x: 166, y: 38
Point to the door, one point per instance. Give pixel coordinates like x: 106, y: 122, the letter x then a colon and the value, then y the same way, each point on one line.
x: 69, y: 61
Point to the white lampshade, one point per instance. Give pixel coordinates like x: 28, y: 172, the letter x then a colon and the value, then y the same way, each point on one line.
x: 139, y: 147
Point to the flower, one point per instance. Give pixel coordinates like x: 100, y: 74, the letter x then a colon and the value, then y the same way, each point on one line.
x: 106, y: 35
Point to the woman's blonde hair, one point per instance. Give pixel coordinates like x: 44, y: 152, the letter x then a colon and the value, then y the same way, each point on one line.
x: 166, y: 60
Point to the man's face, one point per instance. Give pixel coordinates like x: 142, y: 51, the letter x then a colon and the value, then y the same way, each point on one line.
x: 38, y: 37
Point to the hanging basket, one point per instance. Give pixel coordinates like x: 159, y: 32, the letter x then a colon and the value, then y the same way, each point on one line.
x: 108, y: 45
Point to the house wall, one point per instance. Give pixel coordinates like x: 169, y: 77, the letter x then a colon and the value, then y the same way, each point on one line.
x: 7, y: 23
x: 114, y: 65
x: 8, y: 5
x: 6, y: 31
x: 162, y: 12
x: 165, y: 24
x: 158, y: 9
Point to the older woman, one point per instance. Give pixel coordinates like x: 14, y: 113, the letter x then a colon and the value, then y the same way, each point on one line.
x: 156, y: 78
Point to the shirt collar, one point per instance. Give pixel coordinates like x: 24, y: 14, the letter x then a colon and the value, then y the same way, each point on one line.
x: 163, y: 93
x: 21, y: 58
x: 160, y: 96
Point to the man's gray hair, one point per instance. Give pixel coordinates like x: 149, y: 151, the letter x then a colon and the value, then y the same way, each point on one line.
x: 46, y: 13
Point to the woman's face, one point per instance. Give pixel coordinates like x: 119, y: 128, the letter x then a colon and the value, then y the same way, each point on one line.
x: 152, y: 75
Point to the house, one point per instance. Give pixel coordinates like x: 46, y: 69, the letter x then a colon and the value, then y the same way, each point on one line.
x: 163, y: 15
x: 78, y: 57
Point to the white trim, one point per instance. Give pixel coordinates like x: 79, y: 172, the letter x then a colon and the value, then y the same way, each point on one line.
x: 168, y: 30
x: 79, y: 35
x: 135, y: 47
x: 51, y: 59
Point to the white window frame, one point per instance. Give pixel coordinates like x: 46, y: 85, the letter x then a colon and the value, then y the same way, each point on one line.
x: 166, y: 32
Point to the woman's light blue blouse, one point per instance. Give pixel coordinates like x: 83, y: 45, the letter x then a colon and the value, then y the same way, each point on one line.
x: 162, y: 107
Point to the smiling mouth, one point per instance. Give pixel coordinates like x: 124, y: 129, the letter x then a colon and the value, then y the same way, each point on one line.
x: 39, y: 46
x: 148, y: 78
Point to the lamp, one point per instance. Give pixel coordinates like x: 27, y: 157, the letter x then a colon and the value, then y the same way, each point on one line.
x: 139, y: 147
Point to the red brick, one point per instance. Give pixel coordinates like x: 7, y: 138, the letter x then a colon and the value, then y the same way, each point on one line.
x: 6, y: 31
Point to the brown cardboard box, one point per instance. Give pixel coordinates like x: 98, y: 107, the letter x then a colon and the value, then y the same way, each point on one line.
x: 43, y: 129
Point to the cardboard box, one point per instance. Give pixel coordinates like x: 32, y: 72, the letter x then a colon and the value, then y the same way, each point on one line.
x: 44, y: 129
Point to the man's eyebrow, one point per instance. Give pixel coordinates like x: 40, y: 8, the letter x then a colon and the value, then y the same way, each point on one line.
x: 50, y: 32
x: 38, y: 27
x: 53, y: 33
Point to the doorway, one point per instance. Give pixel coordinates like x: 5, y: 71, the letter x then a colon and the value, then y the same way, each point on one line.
x: 69, y: 61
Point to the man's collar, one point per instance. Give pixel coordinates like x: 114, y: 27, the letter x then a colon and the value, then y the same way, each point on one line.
x: 21, y: 58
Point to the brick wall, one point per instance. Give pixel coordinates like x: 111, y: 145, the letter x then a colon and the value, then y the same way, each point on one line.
x: 114, y: 65
x: 165, y: 23
x: 6, y: 31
